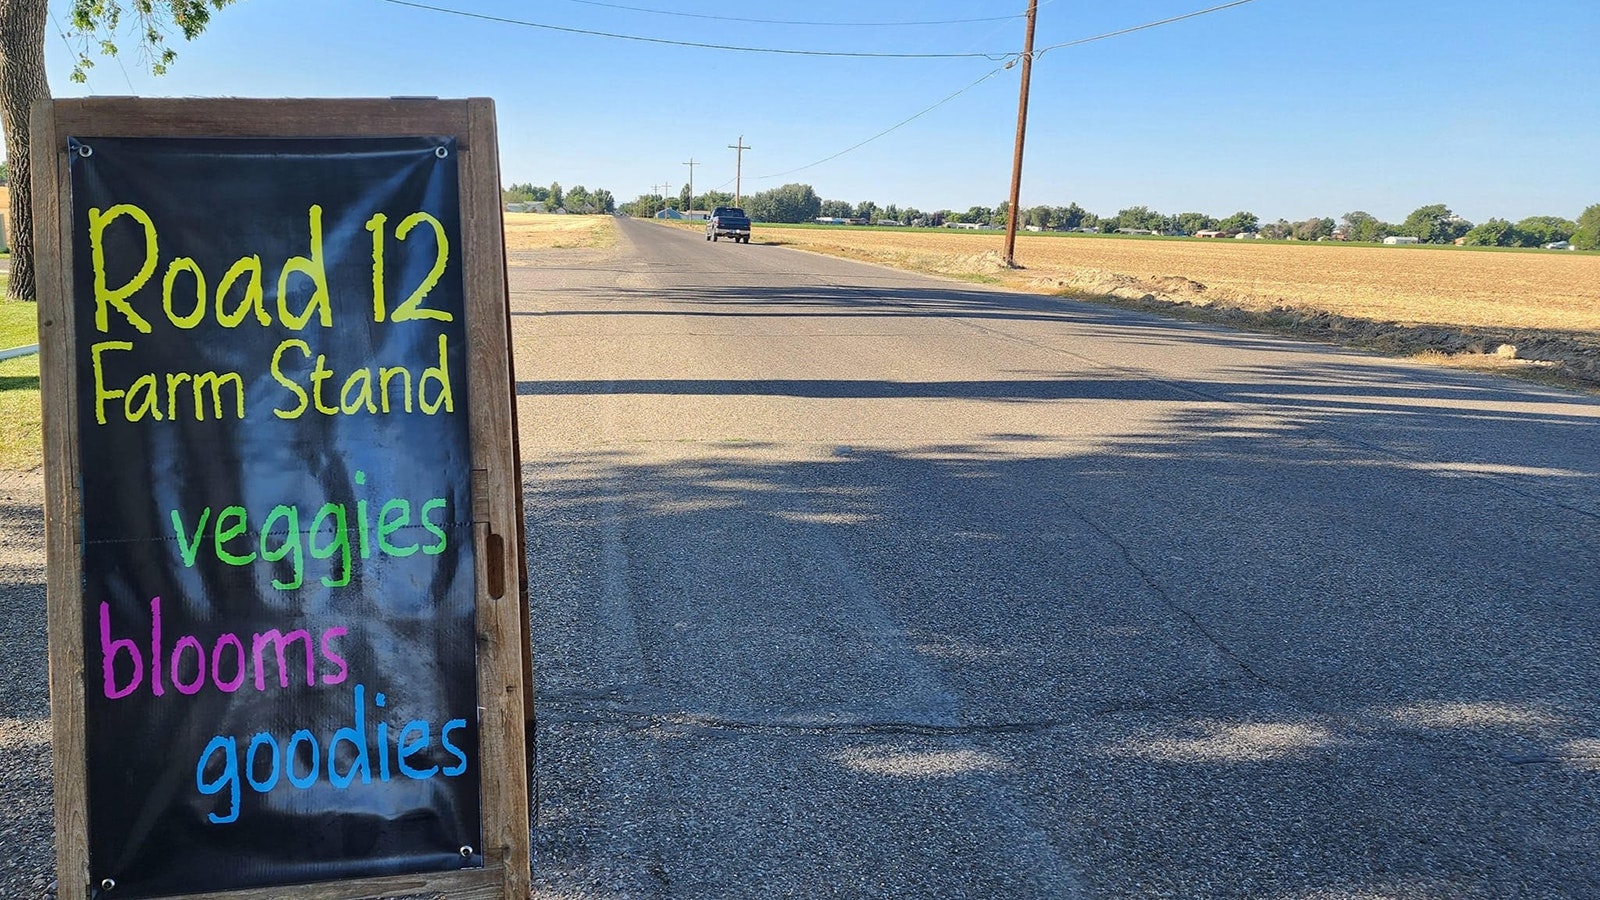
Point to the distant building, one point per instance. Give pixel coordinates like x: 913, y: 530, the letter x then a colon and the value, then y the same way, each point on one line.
x: 1209, y: 233
x: 1401, y: 239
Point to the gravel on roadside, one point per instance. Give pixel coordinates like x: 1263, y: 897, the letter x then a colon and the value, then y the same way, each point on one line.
x: 27, y: 823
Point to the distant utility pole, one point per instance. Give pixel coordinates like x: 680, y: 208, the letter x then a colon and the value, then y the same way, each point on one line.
x: 1022, y: 130
x: 691, y: 164
x: 738, y: 170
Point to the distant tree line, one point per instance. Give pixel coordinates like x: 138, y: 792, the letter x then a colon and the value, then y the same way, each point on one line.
x: 646, y: 205
x: 576, y: 199
x: 1432, y: 224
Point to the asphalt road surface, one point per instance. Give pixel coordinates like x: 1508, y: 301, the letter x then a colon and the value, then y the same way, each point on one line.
x: 854, y: 583
x: 849, y: 583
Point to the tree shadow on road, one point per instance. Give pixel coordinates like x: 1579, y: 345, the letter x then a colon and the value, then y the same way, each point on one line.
x: 1273, y: 646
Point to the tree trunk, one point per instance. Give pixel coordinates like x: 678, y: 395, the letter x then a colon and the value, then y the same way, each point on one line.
x: 22, y: 83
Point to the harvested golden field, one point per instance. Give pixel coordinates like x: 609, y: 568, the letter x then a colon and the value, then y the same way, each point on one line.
x: 1426, y: 286
x: 542, y: 231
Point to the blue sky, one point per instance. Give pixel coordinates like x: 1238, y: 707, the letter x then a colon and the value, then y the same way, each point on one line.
x: 1287, y: 108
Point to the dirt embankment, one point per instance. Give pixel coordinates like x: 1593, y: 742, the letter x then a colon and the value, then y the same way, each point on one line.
x: 1568, y: 357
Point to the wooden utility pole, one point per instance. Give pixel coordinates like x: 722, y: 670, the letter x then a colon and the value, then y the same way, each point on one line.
x: 1022, y: 130
x: 691, y: 164
x: 738, y: 170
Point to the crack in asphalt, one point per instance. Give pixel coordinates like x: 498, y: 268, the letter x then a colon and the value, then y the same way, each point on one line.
x: 1393, y: 744
x: 584, y: 708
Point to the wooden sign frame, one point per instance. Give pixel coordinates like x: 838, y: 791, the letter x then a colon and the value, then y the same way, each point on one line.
x: 503, y: 654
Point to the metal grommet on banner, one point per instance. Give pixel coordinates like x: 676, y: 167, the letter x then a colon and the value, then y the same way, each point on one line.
x: 85, y: 151
x: 106, y: 884
x: 441, y: 152
x: 466, y: 852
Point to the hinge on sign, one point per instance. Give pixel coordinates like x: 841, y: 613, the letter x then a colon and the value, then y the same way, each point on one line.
x: 480, y: 496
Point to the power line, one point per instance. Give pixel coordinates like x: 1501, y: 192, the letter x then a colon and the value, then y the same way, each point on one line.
x: 70, y: 49
x: 1009, y: 64
x: 686, y: 15
x: 124, y: 69
x: 1144, y: 27
x: 696, y: 44
x: 78, y: 53
x: 895, y: 127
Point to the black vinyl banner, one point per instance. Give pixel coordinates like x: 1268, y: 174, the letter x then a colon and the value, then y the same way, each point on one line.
x: 278, y: 600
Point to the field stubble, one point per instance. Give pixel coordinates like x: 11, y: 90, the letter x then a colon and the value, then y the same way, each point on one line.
x: 544, y: 231
x: 1535, y: 313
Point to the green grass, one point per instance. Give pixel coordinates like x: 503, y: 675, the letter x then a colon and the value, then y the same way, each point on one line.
x: 20, y: 422
x: 19, y: 323
x: 20, y: 431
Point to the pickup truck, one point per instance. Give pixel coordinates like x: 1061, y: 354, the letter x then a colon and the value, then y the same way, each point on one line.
x: 728, y: 221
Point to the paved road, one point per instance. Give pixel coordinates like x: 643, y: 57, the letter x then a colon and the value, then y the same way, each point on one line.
x: 852, y: 583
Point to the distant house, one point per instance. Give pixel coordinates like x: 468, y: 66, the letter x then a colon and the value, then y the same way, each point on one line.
x: 1248, y: 236
x: 970, y: 226
x: 1209, y: 233
x: 831, y: 220
x: 697, y: 215
x: 1401, y: 239
x: 670, y: 213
